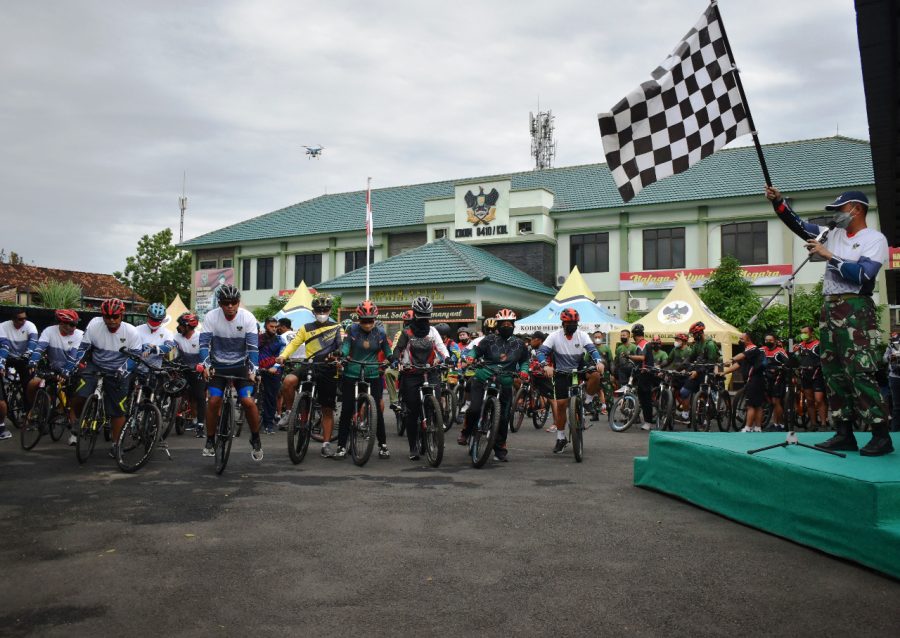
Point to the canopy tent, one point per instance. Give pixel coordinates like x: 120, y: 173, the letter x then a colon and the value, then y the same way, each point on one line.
x: 175, y: 310
x: 575, y: 293
x: 298, y: 308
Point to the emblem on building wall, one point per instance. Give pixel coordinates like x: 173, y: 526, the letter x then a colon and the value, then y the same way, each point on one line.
x: 481, y: 208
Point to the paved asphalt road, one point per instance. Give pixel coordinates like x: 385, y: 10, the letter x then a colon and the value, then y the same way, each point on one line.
x: 537, y: 546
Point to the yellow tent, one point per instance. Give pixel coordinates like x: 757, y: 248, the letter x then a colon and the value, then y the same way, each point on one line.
x: 175, y: 310
x: 680, y: 309
x: 301, y: 298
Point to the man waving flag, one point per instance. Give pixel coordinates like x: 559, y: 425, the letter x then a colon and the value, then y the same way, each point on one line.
x: 693, y: 106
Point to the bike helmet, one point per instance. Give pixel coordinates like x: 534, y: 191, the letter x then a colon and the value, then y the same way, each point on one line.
x: 188, y: 320
x: 637, y: 330
x: 505, y: 315
x: 228, y: 293
x: 346, y: 323
x: 490, y: 324
x: 66, y: 316
x: 656, y: 339
x: 112, y: 307
x: 697, y: 328
x: 156, y: 312
x: 462, y: 330
x: 367, y: 310
x: 682, y: 337
x: 443, y: 330
x: 569, y: 315
x: 175, y: 385
x: 422, y: 307
x: 322, y: 303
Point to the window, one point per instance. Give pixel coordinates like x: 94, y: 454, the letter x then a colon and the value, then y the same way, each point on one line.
x: 227, y: 263
x: 590, y: 252
x: 307, y: 268
x: 440, y: 233
x: 746, y: 241
x: 663, y: 248
x: 524, y: 228
x: 264, y: 268
x: 354, y: 259
x: 245, y: 274
x: 206, y: 264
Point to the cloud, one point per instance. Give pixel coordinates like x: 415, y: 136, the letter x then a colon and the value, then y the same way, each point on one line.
x: 107, y: 104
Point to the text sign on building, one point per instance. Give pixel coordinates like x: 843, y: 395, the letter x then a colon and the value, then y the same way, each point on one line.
x: 449, y: 313
x: 206, y: 286
x: 773, y: 275
x: 380, y: 296
x: 481, y: 210
x: 894, y: 261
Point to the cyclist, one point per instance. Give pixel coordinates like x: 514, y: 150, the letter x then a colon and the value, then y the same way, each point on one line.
x: 452, y: 347
x: 364, y: 342
x: 229, y: 344
x: 660, y: 356
x: 392, y: 375
x: 643, y: 357
x: 703, y: 350
x: 811, y: 380
x: 419, y: 344
x: 187, y: 344
x: 624, y: 351
x: 567, y: 345
x: 678, y: 360
x: 157, y: 341
x: 606, y: 354
x: 503, y: 351
x: 463, y: 336
x: 270, y: 346
x: 322, y: 338
x: 103, y: 338
x: 488, y: 326
x: 59, y: 344
x: 18, y: 337
x: 776, y: 358
x: 752, y: 362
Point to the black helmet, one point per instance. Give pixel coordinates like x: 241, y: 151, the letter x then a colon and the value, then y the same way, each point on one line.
x: 228, y: 292
x: 637, y: 329
x: 443, y: 330
x: 422, y: 307
x: 322, y: 303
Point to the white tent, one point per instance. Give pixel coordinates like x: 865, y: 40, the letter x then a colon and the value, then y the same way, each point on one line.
x: 298, y: 308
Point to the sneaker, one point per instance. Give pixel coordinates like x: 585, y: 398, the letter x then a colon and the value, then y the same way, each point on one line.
x: 395, y: 406
x: 465, y: 408
x: 327, y: 452
x: 256, y: 453
x: 201, y: 432
x: 756, y: 428
x: 646, y: 427
x: 462, y: 439
x: 113, y: 452
x: 685, y: 415
x: 746, y: 428
x: 209, y: 449
x: 283, y: 421
x: 73, y: 439
x: 5, y: 434
x: 774, y: 427
x: 383, y: 451
x: 341, y: 452
x: 500, y: 454
x: 413, y: 456
x: 560, y: 445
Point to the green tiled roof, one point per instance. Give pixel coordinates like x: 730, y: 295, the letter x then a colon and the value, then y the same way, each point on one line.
x: 440, y: 262
x: 825, y: 163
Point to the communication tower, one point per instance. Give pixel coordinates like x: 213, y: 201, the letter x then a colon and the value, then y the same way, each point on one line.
x: 182, y: 204
x: 543, y: 146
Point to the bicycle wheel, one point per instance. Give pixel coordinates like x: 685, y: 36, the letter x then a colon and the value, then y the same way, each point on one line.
x: 168, y: 408
x: 481, y: 443
x: 518, y: 409
x: 701, y: 418
x: 15, y: 404
x: 59, y: 423
x: 224, y: 438
x: 665, y: 412
x: 362, y: 435
x: 36, y: 420
x: 540, y: 413
x: 88, y: 427
x: 724, y: 411
x: 401, y: 429
x: 316, y: 430
x: 433, y: 432
x: 138, y: 438
x: 446, y: 408
x: 576, y: 426
x: 299, y: 429
x: 739, y: 411
x: 624, y: 412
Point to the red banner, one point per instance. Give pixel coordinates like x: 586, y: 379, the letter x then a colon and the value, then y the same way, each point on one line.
x: 894, y: 261
x: 773, y: 275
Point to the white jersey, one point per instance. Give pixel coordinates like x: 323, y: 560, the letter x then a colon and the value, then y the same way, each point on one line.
x: 300, y: 352
x: 188, y: 348
x: 230, y: 343
x: 160, y: 340
x: 568, y: 353
x: 869, y: 243
x: 16, y: 340
x: 104, y: 345
x: 61, y: 350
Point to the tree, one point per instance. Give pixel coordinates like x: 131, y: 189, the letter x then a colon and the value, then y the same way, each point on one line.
x: 59, y: 294
x: 270, y: 309
x: 729, y: 295
x: 12, y: 258
x: 806, y: 306
x: 159, y: 270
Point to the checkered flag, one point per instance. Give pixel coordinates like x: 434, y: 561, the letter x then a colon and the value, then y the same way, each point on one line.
x: 690, y: 109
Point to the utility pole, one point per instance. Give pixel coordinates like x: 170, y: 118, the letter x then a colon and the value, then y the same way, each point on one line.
x: 182, y: 204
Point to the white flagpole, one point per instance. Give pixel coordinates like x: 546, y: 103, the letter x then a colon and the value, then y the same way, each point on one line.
x: 368, y: 229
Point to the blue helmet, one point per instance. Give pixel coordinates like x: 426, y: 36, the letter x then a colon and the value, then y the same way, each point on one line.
x: 156, y: 311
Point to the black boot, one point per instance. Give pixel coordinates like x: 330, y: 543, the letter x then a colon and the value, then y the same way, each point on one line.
x: 880, y: 444
x: 843, y: 441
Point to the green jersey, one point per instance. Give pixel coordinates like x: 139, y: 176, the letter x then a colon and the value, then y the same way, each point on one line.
x: 679, y: 358
x: 705, y: 351
x: 660, y: 358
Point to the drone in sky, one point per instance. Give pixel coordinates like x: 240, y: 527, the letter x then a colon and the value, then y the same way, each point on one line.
x: 314, y: 151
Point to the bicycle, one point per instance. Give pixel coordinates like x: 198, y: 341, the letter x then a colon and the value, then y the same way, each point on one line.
x: 528, y: 401
x: 305, y: 411
x: 364, y: 421
x: 143, y: 420
x: 172, y: 398
x: 448, y: 398
x: 712, y: 402
x: 626, y: 408
x: 93, y: 417
x: 225, y: 428
x: 665, y: 401
x: 484, y: 433
x: 575, y: 413
x: 15, y: 399
x: 431, y: 431
x: 49, y: 412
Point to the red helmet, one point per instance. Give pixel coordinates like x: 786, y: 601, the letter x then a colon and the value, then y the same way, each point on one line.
x: 681, y: 337
x: 505, y: 315
x: 367, y: 310
x: 656, y: 339
x: 697, y: 328
x: 188, y: 320
x: 569, y: 315
x: 112, y: 307
x: 66, y: 316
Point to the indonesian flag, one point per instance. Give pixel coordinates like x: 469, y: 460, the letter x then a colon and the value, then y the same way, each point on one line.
x: 370, y: 241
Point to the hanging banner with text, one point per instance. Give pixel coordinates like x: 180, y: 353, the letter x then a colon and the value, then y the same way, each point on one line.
x: 773, y: 275
x: 894, y: 261
x: 446, y: 313
x: 206, y: 286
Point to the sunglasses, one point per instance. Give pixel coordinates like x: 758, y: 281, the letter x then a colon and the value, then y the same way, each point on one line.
x: 19, y: 319
x: 229, y: 302
x: 367, y: 321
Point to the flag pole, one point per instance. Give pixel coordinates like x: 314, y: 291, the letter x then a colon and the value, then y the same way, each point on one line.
x: 740, y: 86
x: 369, y: 229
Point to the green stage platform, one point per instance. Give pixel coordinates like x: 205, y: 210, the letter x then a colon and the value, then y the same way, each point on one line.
x: 846, y: 507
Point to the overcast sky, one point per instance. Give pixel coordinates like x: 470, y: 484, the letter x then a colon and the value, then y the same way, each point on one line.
x: 107, y: 103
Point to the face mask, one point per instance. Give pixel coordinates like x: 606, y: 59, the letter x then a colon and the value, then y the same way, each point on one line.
x: 322, y: 318
x: 570, y: 329
x: 678, y: 344
x: 464, y: 340
x: 804, y: 337
x: 624, y: 339
x: 770, y: 344
x: 656, y: 346
x: 599, y: 342
x: 842, y: 220
x: 505, y: 332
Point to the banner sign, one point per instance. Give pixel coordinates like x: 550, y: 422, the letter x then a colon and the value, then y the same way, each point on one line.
x: 894, y: 261
x: 442, y: 313
x: 380, y: 296
x: 206, y: 286
x: 773, y: 275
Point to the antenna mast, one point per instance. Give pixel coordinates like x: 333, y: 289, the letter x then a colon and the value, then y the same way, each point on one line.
x: 182, y: 204
x: 543, y: 146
